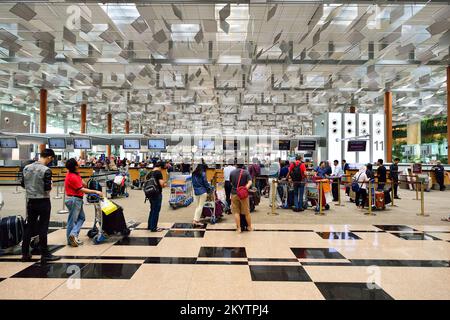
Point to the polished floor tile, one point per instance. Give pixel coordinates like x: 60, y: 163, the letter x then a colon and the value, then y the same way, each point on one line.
x: 222, y: 262
x: 317, y: 253
x: 272, y: 260
x: 29, y: 289
x: 17, y: 251
x: 185, y: 234
x: 79, y: 271
x: 338, y: 235
x: 138, y: 241
x: 187, y: 226
x: 401, y: 263
x: 351, y: 291
x: 222, y: 252
x: 414, y: 236
x: 170, y: 260
x: 278, y: 273
x: 1, y: 279
x: 395, y: 227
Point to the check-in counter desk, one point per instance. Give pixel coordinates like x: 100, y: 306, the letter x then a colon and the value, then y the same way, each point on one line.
x: 8, y: 175
x: 134, y: 173
x: 218, y: 173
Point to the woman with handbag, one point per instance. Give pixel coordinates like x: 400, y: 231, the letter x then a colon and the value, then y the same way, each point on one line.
x: 201, y: 189
x: 359, y: 186
x: 241, y: 181
x: 75, y: 189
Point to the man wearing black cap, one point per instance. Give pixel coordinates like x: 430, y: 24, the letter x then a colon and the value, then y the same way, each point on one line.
x: 37, y: 181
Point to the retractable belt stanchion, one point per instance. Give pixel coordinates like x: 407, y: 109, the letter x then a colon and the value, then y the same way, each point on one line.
x: 415, y: 187
x: 63, y: 210
x: 320, y: 197
x: 273, y: 198
x: 392, y: 193
x: 370, y: 199
x: 422, y: 202
x: 58, y: 187
x: 17, y: 191
x: 339, y: 204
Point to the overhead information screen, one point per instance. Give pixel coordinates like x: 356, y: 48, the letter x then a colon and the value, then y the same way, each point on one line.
x: 81, y: 143
x: 307, y: 145
x: 157, y: 144
x: 230, y: 144
x: 206, y: 144
x: 10, y: 143
x: 357, y: 146
x: 282, y: 145
x: 131, y: 144
x: 57, y: 143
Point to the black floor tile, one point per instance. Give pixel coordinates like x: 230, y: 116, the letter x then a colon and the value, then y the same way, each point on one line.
x: 368, y: 231
x: 80, y: 270
x: 401, y: 263
x: 395, y: 227
x: 138, y: 241
x: 282, y: 230
x: 222, y: 252
x: 1, y: 279
x: 224, y: 262
x: 51, y: 230
x: 57, y: 224
x: 414, y: 236
x: 187, y: 226
x: 351, y: 291
x: 170, y: 260
x: 272, y: 260
x: 327, y: 264
x: 317, y: 253
x: 185, y: 234
x: 338, y: 235
x: 278, y: 273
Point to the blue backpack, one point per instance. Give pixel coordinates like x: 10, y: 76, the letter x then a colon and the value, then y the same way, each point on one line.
x: 355, y: 185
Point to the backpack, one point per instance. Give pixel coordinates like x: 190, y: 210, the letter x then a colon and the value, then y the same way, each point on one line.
x: 93, y: 185
x: 151, y: 187
x: 296, y: 174
x: 355, y: 184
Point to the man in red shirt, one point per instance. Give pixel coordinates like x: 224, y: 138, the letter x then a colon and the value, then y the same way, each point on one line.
x: 297, y: 174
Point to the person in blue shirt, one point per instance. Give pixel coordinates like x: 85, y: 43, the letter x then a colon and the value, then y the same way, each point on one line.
x: 284, y: 170
x: 201, y: 189
x: 322, y: 170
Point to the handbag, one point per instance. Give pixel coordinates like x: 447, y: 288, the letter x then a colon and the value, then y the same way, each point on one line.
x: 242, y: 192
x: 108, y: 206
x: 355, y: 184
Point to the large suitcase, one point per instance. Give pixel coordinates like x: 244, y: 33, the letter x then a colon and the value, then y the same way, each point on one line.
x: 379, y: 200
x: 115, y: 222
x: 11, y: 231
x: 256, y: 195
x: 219, y: 209
x: 251, y: 200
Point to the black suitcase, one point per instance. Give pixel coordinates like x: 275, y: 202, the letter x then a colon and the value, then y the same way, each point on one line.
x: 251, y: 201
x: 115, y: 223
x: 11, y: 231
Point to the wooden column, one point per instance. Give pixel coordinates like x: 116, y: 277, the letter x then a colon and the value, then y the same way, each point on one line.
x: 42, y: 115
x: 388, y: 120
x: 127, y: 126
x: 109, y: 119
x: 448, y: 114
x: 83, y: 126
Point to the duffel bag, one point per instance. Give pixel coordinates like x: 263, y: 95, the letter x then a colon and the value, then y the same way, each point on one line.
x: 11, y: 231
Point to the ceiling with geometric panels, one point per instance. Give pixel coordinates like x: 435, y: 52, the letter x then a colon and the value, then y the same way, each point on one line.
x: 227, y: 66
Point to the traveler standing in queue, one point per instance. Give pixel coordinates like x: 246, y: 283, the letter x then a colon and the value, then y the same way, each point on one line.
x: 381, y: 174
x: 336, y: 174
x: 439, y: 172
x: 201, y: 189
x: 240, y: 178
x: 362, y: 179
x: 255, y: 171
x: 322, y: 170
x: 297, y: 174
x: 393, y: 172
x: 369, y: 171
x: 37, y: 181
x: 156, y: 199
x: 345, y: 167
x: 75, y: 189
x: 226, y: 174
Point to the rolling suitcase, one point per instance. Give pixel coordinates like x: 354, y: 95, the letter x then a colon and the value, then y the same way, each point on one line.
x: 379, y: 200
x: 11, y: 231
x: 115, y: 222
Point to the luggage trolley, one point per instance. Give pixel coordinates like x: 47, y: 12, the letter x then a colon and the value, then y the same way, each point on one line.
x: 312, y: 191
x: 181, y: 191
x: 213, y: 208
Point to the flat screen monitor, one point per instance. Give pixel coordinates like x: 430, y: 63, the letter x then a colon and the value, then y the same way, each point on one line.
x: 357, y: 146
x: 230, y: 144
x: 206, y: 144
x: 9, y: 143
x: 306, y: 145
x: 282, y: 145
x: 57, y: 143
x: 82, y: 143
x: 131, y: 144
x: 157, y: 144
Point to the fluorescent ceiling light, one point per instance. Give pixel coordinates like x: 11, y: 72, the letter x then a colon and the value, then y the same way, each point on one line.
x: 190, y: 61
x: 121, y: 14
x: 184, y: 32
x: 223, y: 59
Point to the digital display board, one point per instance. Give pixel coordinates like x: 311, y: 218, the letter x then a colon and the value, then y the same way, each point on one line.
x: 81, y: 143
x: 134, y: 144
x: 282, y: 145
x: 230, y: 144
x: 206, y: 144
x: 157, y: 144
x: 307, y: 145
x: 10, y: 143
x: 356, y: 145
x: 57, y: 143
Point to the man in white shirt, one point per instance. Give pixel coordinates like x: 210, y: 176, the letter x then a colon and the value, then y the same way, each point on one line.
x: 226, y: 175
x: 336, y: 173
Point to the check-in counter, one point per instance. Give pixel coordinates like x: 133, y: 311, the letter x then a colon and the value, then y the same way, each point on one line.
x: 218, y: 173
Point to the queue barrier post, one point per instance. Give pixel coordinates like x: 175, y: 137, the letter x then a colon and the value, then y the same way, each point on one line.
x: 273, y: 198
x: 339, y: 182
x: 58, y: 188
x: 63, y: 210
x: 17, y: 191
x: 370, y: 200
x: 392, y: 193
x: 422, y: 202
x: 320, y: 198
